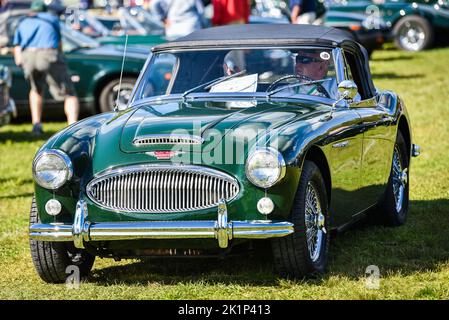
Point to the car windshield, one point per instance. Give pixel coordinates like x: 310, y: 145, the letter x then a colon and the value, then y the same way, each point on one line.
x: 85, y: 23
x: 73, y: 39
x: 273, y: 72
x: 146, y: 20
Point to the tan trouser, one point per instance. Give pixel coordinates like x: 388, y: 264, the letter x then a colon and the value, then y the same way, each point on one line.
x: 306, y: 18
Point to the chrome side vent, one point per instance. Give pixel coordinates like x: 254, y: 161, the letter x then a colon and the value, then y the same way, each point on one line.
x: 157, y: 139
x: 161, y: 188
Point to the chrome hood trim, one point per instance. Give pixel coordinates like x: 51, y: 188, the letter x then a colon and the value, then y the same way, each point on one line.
x: 163, y: 139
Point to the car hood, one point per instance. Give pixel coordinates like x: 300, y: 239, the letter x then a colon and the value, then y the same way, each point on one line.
x: 144, y: 40
x: 233, y: 122
x: 343, y: 17
x: 209, y: 122
x: 116, y: 51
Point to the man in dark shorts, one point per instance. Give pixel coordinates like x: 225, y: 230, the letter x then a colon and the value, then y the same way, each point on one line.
x: 303, y: 11
x: 37, y: 42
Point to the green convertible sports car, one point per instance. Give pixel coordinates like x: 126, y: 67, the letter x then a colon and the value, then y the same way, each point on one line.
x: 261, y: 132
x: 415, y: 24
x: 94, y: 69
x: 134, y: 22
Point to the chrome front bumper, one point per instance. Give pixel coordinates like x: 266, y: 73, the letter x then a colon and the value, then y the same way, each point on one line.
x: 83, y: 231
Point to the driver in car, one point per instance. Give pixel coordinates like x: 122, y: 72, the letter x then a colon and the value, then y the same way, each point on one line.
x: 312, y: 65
x: 233, y: 62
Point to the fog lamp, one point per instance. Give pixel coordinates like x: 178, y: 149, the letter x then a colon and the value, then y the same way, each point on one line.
x: 265, y: 205
x: 53, y: 207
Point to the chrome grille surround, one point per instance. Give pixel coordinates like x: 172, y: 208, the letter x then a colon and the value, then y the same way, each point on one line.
x: 161, y: 188
x: 158, y: 139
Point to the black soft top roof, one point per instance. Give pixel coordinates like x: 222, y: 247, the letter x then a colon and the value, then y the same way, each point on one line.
x: 277, y: 35
x: 261, y: 34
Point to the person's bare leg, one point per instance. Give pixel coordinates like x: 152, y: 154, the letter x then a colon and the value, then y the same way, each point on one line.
x: 71, y: 108
x: 35, y: 106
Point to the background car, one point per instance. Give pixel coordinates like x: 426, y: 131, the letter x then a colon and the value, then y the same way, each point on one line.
x: 113, y: 29
x: 7, y: 105
x: 415, y: 25
x: 94, y: 70
x: 372, y: 32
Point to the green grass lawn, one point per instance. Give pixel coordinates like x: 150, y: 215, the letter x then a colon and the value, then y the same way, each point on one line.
x: 413, y: 259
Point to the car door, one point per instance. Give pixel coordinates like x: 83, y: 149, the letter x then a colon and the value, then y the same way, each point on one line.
x: 377, y: 144
x: 377, y: 150
x: 345, y: 149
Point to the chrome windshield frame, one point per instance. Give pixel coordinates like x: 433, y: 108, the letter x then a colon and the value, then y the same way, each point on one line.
x: 229, y: 97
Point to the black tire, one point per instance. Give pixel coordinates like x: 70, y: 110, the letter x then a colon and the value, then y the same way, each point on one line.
x: 108, y: 95
x: 52, y: 258
x: 413, y: 21
x: 292, y: 257
x: 388, y: 213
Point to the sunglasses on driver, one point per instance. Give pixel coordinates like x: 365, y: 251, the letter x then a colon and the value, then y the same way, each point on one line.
x: 307, y: 60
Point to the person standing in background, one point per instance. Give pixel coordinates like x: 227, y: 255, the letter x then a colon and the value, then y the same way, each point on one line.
x: 303, y: 11
x: 180, y: 17
x: 230, y: 12
x: 37, y: 49
x: 3, y: 18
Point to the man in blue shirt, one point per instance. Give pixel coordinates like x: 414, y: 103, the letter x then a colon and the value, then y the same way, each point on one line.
x: 302, y: 11
x: 37, y: 50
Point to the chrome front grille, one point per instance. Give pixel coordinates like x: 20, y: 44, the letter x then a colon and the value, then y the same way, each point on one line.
x: 157, y: 139
x: 161, y: 188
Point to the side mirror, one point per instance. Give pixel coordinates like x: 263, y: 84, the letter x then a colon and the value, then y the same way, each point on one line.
x: 347, y: 89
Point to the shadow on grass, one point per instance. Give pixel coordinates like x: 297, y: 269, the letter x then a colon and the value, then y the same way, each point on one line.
x: 15, y: 196
x: 393, y: 58
x: 395, y: 76
x: 240, y: 271
x: 24, y: 136
x: 421, y: 244
x: 21, y: 181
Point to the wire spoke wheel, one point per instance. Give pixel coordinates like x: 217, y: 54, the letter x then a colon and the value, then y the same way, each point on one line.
x: 304, y: 253
x: 314, y: 222
x: 400, y: 180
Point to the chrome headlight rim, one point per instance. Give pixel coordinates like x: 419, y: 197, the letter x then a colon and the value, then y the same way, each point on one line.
x: 64, y: 157
x: 281, y: 166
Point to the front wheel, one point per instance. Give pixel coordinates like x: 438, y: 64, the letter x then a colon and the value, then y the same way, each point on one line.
x: 413, y: 33
x: 51, y: 259
x: 304, y: 253
x: 108, y: 96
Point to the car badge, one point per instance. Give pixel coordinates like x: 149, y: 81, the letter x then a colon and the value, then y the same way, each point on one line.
x: 163, y: 154
x: 325, y: 55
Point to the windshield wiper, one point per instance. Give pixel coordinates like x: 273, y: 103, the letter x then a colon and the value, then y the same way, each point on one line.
x: 210, y: 84
x: 294, y: 85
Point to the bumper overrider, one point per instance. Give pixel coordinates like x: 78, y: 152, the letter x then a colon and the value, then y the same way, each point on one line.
x: 83, y: 231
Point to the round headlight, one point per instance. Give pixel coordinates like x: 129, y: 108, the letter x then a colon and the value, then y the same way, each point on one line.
x: 265, y: 167
x: 52, y: 168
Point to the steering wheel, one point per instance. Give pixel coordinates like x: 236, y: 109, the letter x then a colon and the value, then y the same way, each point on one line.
x: 320, y: 88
